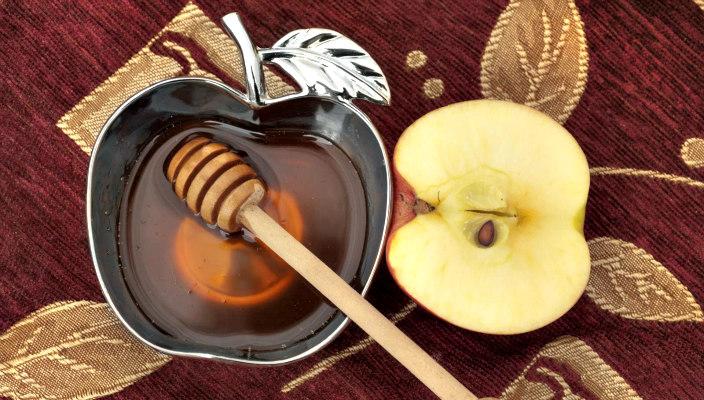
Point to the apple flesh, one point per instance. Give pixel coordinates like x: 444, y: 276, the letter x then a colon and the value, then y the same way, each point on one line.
x: 488, y: 221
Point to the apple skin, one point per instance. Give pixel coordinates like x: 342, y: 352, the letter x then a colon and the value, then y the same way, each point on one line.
x: 404, y: 201
x: 405, y: 210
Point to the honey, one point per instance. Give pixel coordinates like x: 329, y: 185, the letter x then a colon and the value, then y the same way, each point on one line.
x: 198, y: 284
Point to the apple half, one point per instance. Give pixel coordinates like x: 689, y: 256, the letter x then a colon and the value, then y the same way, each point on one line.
x: 488, y: 216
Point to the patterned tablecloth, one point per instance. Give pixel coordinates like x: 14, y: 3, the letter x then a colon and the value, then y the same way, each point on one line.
x: 626, y: 77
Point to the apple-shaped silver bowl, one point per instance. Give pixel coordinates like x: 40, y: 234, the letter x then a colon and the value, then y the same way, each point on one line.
x: 330, y: 70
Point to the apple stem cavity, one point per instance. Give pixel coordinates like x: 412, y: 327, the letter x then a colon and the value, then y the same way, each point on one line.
x: 422, y: 207
x: 486, y: 234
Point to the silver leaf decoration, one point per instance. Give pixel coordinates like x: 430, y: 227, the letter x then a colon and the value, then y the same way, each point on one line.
x: 324, y: 62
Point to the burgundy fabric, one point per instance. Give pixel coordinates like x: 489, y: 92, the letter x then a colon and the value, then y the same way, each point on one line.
x: 642, y: 100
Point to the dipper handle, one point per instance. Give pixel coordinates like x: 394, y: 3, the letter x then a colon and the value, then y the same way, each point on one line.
x: 352, y: 304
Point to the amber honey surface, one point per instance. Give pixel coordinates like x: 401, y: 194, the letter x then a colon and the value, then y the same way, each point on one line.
x: 196, y: 283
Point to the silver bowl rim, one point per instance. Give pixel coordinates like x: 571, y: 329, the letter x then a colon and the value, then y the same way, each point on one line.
x: 236, y: 96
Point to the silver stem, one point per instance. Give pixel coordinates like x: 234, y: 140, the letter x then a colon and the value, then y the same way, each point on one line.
x: 254, y: 75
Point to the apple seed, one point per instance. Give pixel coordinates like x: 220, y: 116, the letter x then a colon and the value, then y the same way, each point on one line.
x: 486, y: 234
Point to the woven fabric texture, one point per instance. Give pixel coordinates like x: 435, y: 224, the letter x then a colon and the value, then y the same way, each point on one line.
x: 625, y: 77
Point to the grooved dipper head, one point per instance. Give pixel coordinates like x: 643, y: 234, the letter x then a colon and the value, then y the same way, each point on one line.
x: 214, y: 181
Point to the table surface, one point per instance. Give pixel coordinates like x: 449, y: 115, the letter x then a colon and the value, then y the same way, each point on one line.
x: 626, y: 77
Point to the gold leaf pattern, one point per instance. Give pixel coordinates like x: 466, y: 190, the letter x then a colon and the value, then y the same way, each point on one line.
x: 693, y: 152
x: 72, y: 350
x: 629, y: 282
x: 218, y: 58
x: 681, y: 180
x: 700, y: 3
x: 569, y: 369
x: 537, y: 55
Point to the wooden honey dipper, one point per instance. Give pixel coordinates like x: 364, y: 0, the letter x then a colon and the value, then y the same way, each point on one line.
x: 224, y: 190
